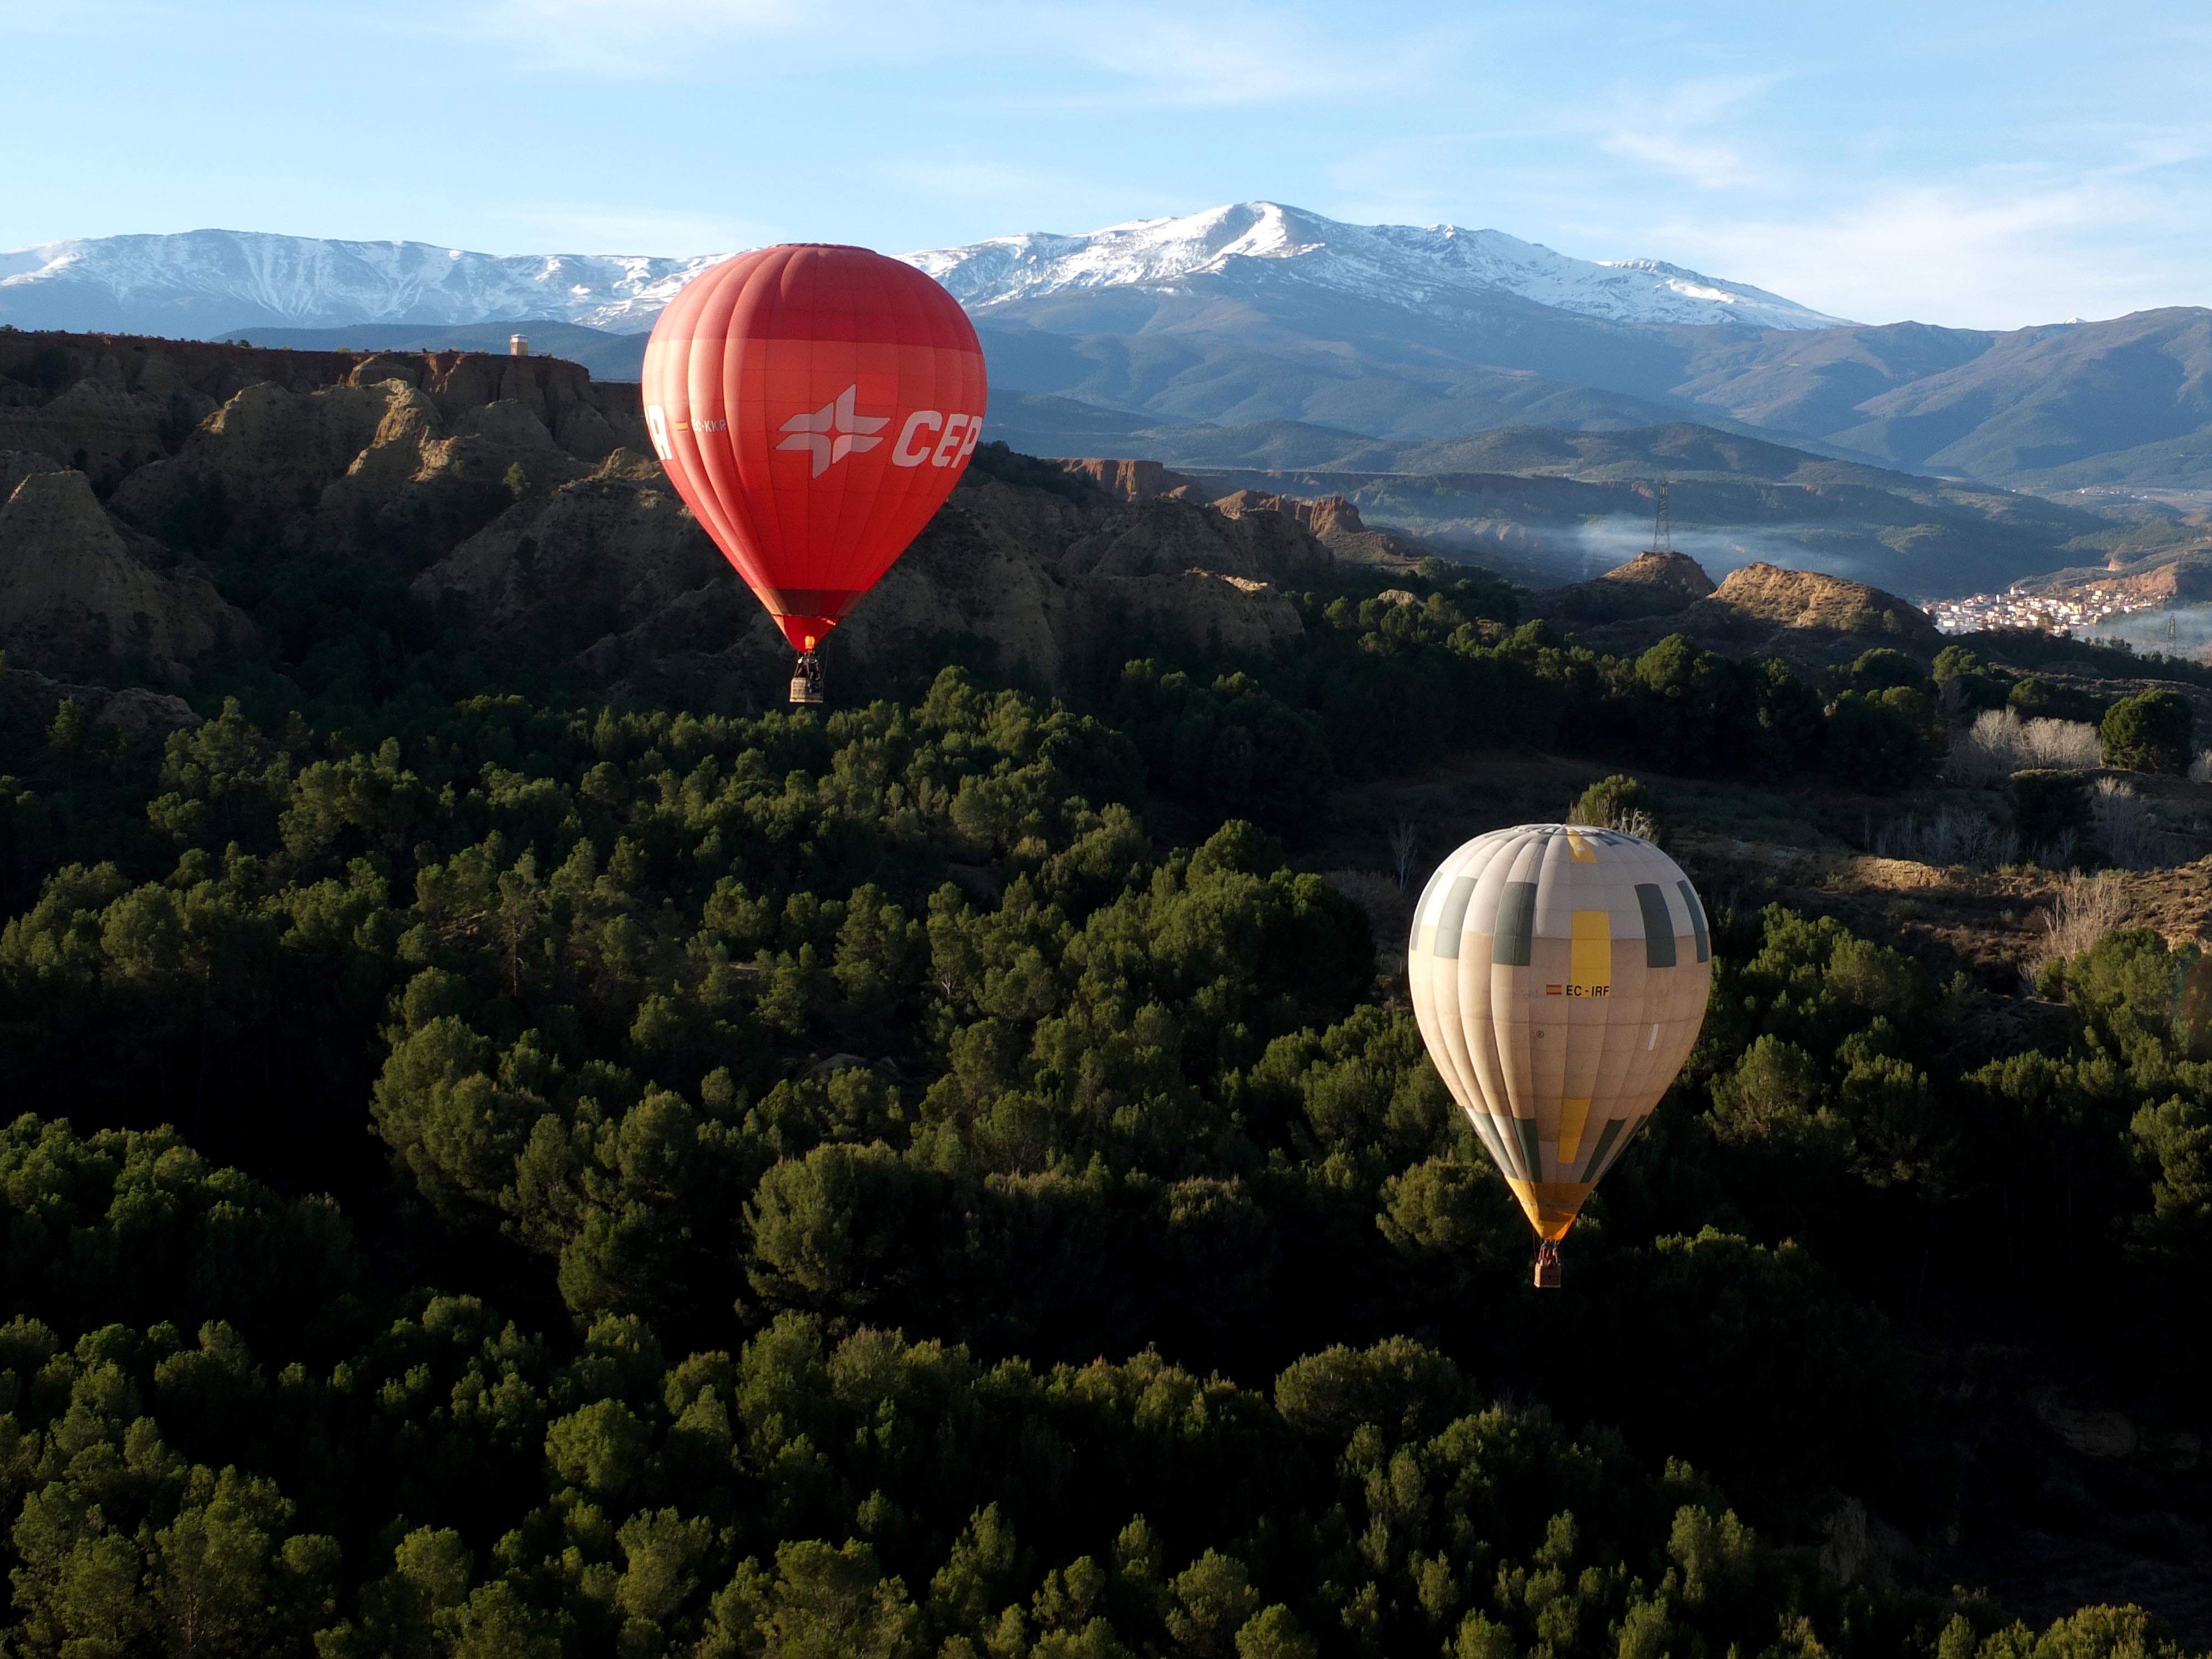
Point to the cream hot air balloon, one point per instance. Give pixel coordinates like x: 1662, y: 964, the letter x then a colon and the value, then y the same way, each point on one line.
x: 1559, y: 975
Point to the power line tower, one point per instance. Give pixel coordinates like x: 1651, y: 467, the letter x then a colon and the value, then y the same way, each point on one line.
x: 1663, y: 528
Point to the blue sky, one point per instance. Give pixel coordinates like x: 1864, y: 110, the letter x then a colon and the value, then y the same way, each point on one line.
x: 1981, y: 164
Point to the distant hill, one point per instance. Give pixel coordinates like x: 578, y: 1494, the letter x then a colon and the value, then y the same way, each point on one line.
x: 2121, y: 401
x: 1048, y: 424
x: 1811, y: 384
x: 2079, y: 397
x: 2124, y: 401
x: 1548, y: 506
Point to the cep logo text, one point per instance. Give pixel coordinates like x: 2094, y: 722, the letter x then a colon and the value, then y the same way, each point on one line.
x: 933, y: 437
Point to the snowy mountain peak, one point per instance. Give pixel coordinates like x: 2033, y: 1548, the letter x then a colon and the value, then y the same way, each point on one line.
x: 1411, y: 265
x: 1141, y: 253
x: 204, y: 282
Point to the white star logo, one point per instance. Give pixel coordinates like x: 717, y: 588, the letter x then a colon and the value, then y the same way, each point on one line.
x: 833, y: 431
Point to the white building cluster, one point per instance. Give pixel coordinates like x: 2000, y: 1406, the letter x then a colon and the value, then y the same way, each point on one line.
x: 2052, y: 613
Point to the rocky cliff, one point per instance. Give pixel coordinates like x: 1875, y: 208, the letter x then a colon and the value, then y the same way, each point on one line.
x: 107, y: 403
x: 1131, y: 481
x: 516, y: 500
x: 1804, y: 617
x: 80, y: 592
x: 1652, y: 584
x: 130, y: 469
x: 1766, y: 596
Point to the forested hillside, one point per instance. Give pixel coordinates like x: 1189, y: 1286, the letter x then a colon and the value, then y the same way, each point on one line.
x: 504, y: 1174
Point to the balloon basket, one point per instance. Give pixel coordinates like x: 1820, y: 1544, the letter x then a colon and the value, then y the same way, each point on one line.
x: 806, y: 681
x: 1548, y: 1265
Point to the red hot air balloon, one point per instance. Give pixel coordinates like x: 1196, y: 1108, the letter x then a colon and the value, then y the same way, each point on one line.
x: 813, y: 405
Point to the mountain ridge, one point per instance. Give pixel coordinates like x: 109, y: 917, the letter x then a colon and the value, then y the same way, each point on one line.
x: 275, y: 280
x: 205, y: 280
x: 1421, y: 266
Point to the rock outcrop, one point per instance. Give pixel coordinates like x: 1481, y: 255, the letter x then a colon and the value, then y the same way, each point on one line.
x: 612, y: 574
x: 1324, y: 516
x: 94, y: 424
x: 1132, y: 481
x: 29, y: 701
x: 1668, y: 572
x: 1766, y: 594
x: 600, y: 557
x: 1335, y: 523
x: 17, y: 464
x: 403, y: 459
x: 109, y: 404
x: 1041, y: 582
x: 973, y: 572
x: 1652, y: 584
x: 78, y: 592
x: 1163, y: 537
x: 124, y: 462
x: 1809, y: 619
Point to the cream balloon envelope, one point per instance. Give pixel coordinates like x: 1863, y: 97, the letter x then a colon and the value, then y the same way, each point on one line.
x: 1559, y: 975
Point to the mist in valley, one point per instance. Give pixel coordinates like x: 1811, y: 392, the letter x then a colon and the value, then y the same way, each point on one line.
x: 1555, y: 555
x: 1605, y: 544
x: 2183, y: 631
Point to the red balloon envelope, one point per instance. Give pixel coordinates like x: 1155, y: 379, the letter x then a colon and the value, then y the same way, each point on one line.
x: 813, y: 405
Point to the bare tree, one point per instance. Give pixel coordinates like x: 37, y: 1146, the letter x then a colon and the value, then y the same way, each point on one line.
x: 1948, y: 837
x: 2083, y: 910
x: 2123, y: 826
x: 1999, y: 743
x: 1404, y: 844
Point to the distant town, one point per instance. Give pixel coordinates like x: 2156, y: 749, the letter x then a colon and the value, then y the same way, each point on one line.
x: 2052, y: 613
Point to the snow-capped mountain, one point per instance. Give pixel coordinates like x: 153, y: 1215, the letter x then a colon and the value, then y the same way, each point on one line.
x: 1415, y: 267
x: 206, y: 281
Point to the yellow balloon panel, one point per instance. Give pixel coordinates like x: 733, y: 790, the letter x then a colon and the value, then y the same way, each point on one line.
x: 1559, y: 975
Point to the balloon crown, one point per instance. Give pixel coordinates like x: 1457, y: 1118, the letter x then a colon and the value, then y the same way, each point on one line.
x: 1595, y: 831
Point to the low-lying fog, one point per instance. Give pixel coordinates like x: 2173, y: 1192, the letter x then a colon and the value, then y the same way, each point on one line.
x: 1606, y: 542
x: 2183, y: 631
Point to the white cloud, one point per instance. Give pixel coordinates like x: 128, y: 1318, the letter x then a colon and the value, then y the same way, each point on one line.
x: 1671, y: 132
x: 1709, y: 167
x: 1919, y: 213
